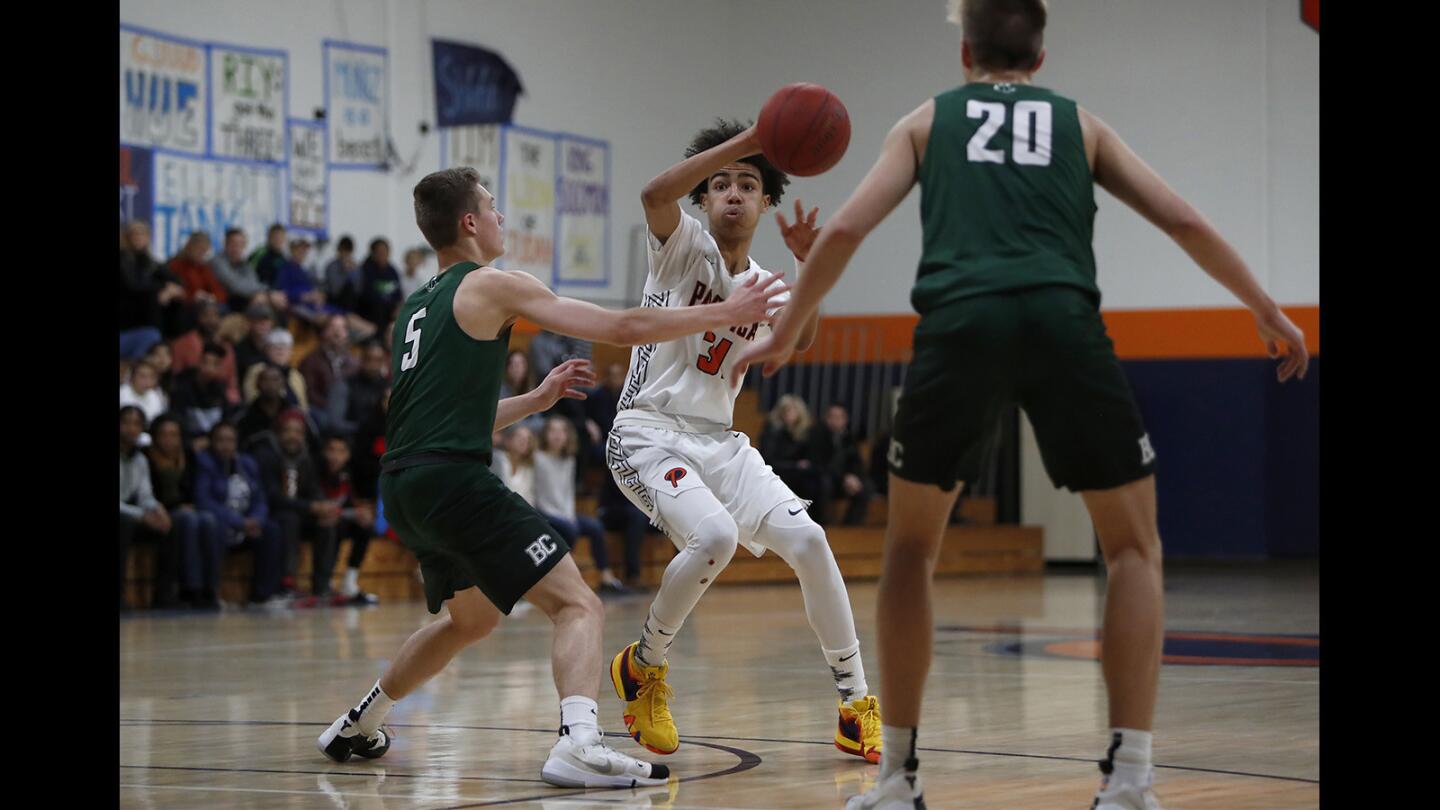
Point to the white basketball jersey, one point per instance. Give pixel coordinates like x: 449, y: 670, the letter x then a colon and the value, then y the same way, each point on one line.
x: 687, y: 384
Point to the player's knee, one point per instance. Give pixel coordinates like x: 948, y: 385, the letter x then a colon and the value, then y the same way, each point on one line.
x: 716, y: 537
x: 474, y: 628
x: 1132, y: 549
x: 911, y: 544
x: 809, y: 549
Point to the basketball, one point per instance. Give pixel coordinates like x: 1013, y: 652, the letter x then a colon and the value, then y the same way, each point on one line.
x: 804, y: 129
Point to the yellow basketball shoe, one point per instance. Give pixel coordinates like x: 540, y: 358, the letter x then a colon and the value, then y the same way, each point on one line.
x: 647, y: 701
x: 859, y: 729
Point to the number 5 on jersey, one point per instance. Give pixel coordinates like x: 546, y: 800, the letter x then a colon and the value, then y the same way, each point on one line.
x: 412, y: 341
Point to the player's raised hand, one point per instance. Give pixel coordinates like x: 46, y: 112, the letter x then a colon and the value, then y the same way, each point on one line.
x: 753, y: 301
x: 800, y: 236
x: 566, y: 381
x: 1283, y: 339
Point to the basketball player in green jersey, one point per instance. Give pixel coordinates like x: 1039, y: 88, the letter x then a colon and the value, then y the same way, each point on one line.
x: 1009, y: 313
x: 481, y: 547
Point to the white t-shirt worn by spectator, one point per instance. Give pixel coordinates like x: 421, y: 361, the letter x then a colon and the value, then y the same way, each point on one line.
x: 555, y: 485
x: 152, y: 402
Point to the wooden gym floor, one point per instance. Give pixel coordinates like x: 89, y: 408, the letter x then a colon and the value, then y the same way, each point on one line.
x: 221, y: 711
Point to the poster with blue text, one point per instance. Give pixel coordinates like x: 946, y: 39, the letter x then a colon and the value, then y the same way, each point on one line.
x: 192, y: 194
x: 583, y: 211
x: 529, y: 202
x: 308, y: 187
x: 477, y: 147
x: 473, y: 85
x: 137, y: 172
x: 356, y: 105
x: 248, y: 100
x: 163, y: 83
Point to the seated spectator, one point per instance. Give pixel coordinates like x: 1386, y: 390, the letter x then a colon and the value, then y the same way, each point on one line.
x: 191, y: 267
x: 368, y: 384
x: 270, y: 258
x: 379, y: 292
x: 142, y: 516
x: 151, y: 297
x: 370, y: 442
x: 188, y: 347
x: 520, y: 458
x: 789, y: 450
x: 342, y: 276
x: 357, y: 520
x: 198, y: 398
x: 327, y: 371
x: 279, y: 348
x: 260, y: 414
x: 228, y: 486
x: 162, y: 359
x: 548, y: 350
x: 142, y: 390
x: 839, y: 458
x: 554, y: 464
x: 200, y: 541
x: 242, y: 286
x: 292, y: 489
x: 417, y: 270
x: 519, y: 379
x: 616, y: 512
x: 307, y: 301
x: 251, y: 349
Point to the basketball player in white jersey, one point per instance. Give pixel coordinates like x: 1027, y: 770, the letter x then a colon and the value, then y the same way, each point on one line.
x: 672, y: 451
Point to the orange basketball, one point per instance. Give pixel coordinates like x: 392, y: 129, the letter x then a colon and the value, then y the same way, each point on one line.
x: 804, y: 129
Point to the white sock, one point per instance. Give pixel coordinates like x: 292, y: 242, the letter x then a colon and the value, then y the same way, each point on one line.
x: 352, y: 582
x: 579, y: 718
x: 372, y: 710
x: 898, y: 749
x: 655, y: 640
x: 1128, y: 756
x: 848, y: 672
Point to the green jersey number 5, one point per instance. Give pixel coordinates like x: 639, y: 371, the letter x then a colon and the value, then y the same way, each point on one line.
x: 412, y: 341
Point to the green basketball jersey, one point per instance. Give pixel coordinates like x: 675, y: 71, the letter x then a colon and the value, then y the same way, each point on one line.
x: 445, y: 385
x: 1007, y: 200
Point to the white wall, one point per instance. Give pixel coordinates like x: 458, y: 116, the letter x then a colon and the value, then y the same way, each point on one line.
x: 1222, y: 97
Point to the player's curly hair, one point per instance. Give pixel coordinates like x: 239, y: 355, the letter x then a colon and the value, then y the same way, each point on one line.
x: 772, y: 180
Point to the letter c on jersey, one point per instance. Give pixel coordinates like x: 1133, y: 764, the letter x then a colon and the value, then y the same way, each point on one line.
x: 674, y: 476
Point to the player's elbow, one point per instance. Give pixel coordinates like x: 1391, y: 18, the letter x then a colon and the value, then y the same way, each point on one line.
x: 844, y: 232
x: 623, y: 331
x: 652, y: 196
x: 1184, y: 225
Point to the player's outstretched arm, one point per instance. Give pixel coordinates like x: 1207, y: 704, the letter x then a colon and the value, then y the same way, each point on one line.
x: 661, y: 196
x: 517, y: 293
x: 886, y: 184
x: 800, y: 237
x: 1122, y: 173
x: 566, y: 381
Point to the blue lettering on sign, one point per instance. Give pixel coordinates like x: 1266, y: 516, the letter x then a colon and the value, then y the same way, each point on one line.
x: 582, y: 198
x: 358, y: 81
x: 577, y: 159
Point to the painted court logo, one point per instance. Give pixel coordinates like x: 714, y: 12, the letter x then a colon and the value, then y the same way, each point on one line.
x: 541, y: 549
x: 674, y: 475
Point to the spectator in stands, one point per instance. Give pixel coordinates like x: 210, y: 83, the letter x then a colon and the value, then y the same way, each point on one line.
x: 259, y: 415
x: 228, y: 486
x: 142, y: 390
x: 555, y: 497
x: 417, y: 270
x: 200, y: 540
x: 151, y: 297
x: 520, y: 453
x: 519, y: 379
x: 279, y: 348
x: 367, y: 385
x: 251, y: 349
x: 162, y: 358
x: 270, y: 258
x: 844, y: 469
x: 191, y: 267
x: 235, y: 274
x: 370, y: 446
x: 789, y: 449
x: 616, y: 513
x: 307, y: 301
x: 357, y: 520
x: 292, y: 488
x: 188, y: 347
x: 327, y: 371
x: 548, y: 350
x: 198, y: 398
x: 379, y: 292
x: 141, y: 515
x: 342, y: 276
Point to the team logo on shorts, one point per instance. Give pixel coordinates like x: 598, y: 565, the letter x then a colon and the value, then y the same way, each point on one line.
x: 1147, y: 453
x: 897, y: 452
x: 541, y: 549
x: 674, y: 475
